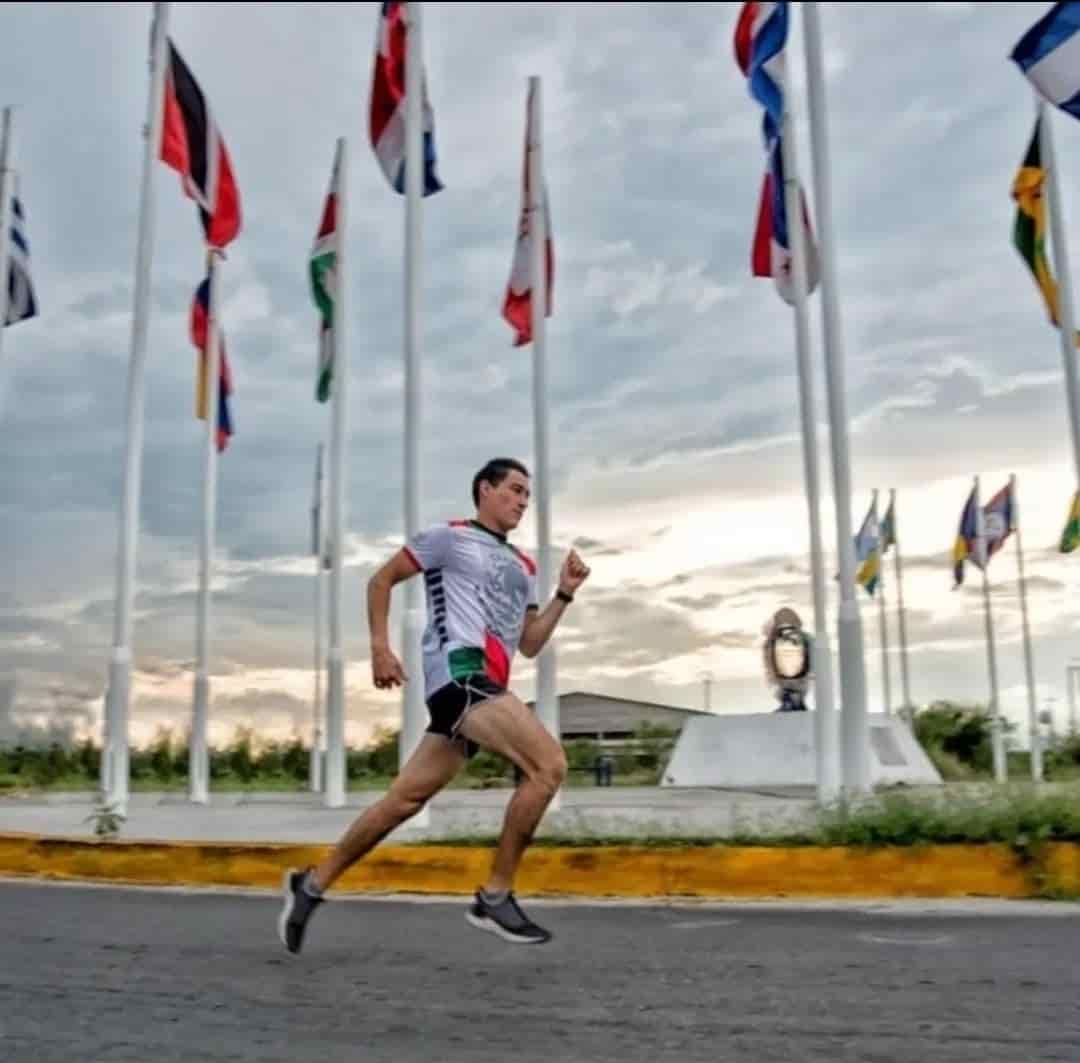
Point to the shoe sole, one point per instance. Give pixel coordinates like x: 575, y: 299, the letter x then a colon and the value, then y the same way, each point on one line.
x: 492, y: 927
x: 286, y: 911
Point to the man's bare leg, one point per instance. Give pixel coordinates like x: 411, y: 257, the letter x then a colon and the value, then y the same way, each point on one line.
x: 504, y: 725
x: 434, y: 763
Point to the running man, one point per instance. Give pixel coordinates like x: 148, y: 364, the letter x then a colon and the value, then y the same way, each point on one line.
x: 482, y: 607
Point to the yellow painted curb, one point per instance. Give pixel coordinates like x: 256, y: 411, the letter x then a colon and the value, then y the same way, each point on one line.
x: 608, y: 871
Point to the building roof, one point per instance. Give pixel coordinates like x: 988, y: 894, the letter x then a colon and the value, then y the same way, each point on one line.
x: 582, y: 713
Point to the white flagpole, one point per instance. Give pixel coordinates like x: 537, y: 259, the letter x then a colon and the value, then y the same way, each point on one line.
x: 909, y: 708
x: 114, y: 762
x: 826, y: 748
x: 547, y: 693
x: 318, y: 548
x: 883, y: 625
x: 883, y: 628
x: 1072, y: 673
x: 6, y: 192
x: 198, y: 755
x: 334, y: 776
x: 1029, y: 662
x: 855, y: 733
x: 1066, y: 311
x: 996, y: 738
x: 414, y: 712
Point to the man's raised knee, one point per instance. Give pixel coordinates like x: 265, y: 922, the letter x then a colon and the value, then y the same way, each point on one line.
x: 551, y: 773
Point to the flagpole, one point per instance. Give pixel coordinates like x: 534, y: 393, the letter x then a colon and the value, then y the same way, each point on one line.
x: 883, y: 628
x: 114, y: 761
x: 414, y: 712
x: 997, y: 744
x: 1066, y: 311
x: 317, y: 736
x: 855, y: 734
x: 315, y: 760
x: 1029, y: 662
x: 6, y: 190
x: 547, y: 693
x: 198, y: 756
x: 883, y: 625
x: 826, y: 748
x: 1072, y: 671
x: 908, y: 708
x: 334, y: 771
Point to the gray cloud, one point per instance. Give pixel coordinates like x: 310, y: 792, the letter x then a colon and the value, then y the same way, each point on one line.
x: 706, y: 601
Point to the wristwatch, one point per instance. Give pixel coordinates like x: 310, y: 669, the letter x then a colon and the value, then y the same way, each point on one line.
x: 563, y: 596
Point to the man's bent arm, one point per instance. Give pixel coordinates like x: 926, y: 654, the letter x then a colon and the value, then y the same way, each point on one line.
x: 539, y: 627
x: 400, y: 567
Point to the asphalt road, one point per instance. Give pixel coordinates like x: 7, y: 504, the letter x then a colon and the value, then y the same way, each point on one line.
x: 90, y: 974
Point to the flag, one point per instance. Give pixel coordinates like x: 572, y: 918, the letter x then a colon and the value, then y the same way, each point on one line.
x: 22, y: 302
x: 200, y: 319
x: 1029, y: 226
x: 1048, y: 55
x: 386, y: 116
x: 517, y: 305
x: 322, y: 269
x: 1070, y: 537
x: 761, y: 34
x: 888, y: 528
x: 868, y: 551
x: 965, y: 546
x: 998, y: 521
x: 192, y: 145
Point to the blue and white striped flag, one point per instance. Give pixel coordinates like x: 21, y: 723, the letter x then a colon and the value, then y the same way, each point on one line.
x: 22, y: 303
x: 1048, y: 55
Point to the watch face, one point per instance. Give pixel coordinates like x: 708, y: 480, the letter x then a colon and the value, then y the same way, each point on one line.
x: 789, y: 653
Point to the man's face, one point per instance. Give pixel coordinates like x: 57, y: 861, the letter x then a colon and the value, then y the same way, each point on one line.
x: 506, y: 504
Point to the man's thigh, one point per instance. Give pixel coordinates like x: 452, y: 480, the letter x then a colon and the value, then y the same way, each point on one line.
x: 504, y: 725
x: 434, y: 763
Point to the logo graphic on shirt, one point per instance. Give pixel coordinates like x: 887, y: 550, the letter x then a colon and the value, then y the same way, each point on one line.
x: 503, y: 595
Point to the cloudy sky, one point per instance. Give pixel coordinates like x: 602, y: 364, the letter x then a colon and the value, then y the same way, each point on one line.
x: 676, y: 456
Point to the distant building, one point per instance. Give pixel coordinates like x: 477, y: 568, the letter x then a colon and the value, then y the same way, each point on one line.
x: 604, y: 718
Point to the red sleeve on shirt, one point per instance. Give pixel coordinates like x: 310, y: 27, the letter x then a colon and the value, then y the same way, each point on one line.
x: 528, y: 562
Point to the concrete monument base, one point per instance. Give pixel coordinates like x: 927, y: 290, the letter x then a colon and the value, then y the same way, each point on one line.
x: 777, y: 749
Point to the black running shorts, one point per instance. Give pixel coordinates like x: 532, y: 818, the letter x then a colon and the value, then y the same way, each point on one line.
x: 449, y: 704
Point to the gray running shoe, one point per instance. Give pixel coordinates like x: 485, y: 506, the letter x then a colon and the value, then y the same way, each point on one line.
x: 505, y: 919
x: 297, y: 909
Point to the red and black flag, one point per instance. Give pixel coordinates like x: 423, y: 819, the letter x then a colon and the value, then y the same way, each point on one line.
x: 192, y: 145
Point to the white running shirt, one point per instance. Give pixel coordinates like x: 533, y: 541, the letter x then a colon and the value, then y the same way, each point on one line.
x: 479, y: 588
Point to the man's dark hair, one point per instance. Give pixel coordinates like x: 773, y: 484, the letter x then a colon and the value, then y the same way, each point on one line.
x: 494, y: 472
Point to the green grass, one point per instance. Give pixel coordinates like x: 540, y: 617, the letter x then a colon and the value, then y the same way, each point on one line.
x: 1017, y: 814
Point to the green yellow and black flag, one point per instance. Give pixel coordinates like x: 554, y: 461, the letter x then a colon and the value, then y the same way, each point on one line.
x: 1070, y: 537
x: 1029, y: 227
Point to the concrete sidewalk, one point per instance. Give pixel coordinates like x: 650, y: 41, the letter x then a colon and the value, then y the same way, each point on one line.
x: 615, y: 812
